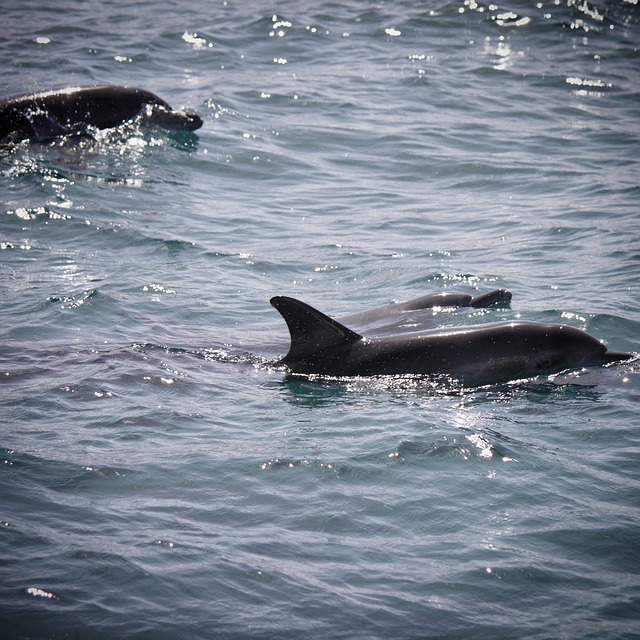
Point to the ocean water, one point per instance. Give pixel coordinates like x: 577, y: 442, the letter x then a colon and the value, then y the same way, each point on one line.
x: 161, y: 479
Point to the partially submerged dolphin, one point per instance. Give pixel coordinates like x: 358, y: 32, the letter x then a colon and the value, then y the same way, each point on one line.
x: 66, y: 111
x: 479, y: 354
x: 399, y: 312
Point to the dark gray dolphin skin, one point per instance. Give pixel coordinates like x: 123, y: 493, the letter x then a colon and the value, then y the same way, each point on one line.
x: 477, y: 355
x: 429, y: 301
x: 65, y: 111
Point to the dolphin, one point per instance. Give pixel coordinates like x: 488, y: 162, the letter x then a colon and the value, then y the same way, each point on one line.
x: 404, y: 312
x: 63, y: 111
x: 476, y: 355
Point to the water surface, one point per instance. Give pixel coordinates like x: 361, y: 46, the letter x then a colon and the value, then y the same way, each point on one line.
x: 161, y: 480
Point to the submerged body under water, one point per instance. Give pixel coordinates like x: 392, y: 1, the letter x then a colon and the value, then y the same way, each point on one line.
x: 162, y: 479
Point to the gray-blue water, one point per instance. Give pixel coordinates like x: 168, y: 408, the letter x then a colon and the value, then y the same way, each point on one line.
x: 160, y: 480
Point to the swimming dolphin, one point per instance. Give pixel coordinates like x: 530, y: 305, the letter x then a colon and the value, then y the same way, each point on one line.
x: 479, y: 354
x: 400, y: 312
x: 63, y: 111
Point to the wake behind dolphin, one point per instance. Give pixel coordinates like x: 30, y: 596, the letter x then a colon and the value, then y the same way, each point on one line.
x: 477, y: 355
x: 48, y: 114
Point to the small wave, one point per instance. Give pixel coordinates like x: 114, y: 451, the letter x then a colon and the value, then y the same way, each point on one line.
x: 60, y: 475
x: 472, y: 446
x: 304, y: 463
x: 71, y: 301
x: 38, y: 592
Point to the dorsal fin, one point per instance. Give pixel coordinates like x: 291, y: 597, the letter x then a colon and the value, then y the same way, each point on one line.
x: 312, y: 333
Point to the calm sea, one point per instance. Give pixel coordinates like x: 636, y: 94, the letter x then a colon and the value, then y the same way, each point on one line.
x: 161, y: 480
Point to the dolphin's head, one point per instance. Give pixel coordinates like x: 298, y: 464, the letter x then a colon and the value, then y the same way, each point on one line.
x: 566, y: 347
x: 167, y: 118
